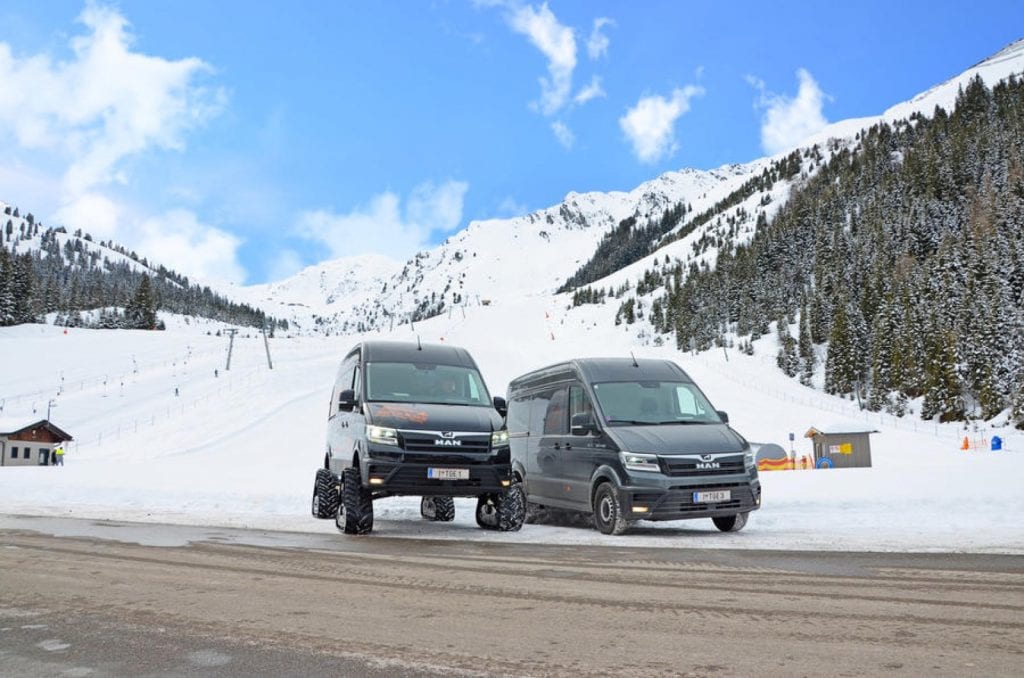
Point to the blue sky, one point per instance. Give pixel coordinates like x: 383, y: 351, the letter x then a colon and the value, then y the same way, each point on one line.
x: 244, y: 140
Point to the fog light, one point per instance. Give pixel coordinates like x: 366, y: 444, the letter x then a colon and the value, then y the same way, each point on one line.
x: 506, y: 483
x: 640, y: 509
x: 376, y: 481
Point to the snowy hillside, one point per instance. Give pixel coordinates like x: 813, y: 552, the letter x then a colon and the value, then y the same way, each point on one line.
x: 489, y: 261
x: 500, y: 259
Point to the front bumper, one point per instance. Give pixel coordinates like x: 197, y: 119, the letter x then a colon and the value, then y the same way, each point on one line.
x: 676, y: 502
x: 397, y: 472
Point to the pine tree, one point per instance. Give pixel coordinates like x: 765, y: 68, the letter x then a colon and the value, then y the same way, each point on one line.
x: 943, y: 397
x: 140, y: 313
x: 788, y: 360
x: 7, y: 304
x: 841, y: 373
x: 1017, y: 412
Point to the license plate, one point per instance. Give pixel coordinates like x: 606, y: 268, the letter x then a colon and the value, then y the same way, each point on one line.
x: 448, y: 473
x: 712, y: 497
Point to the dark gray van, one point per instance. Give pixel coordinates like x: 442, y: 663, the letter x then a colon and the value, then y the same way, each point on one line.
x: 626, y: 440
x: 414, y: 419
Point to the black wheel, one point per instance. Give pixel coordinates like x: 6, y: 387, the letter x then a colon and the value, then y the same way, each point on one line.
x: 504, y: 512
x: 326, y: 494
x: 608, y: 518
x: 358, y: 504
x: 485, y: 513
x: 511, y: 509
x: 733, y: 523
x: 440, y: 509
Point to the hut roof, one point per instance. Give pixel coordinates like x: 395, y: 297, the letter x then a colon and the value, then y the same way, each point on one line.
x: 10, y: 427
x: 838, y: 428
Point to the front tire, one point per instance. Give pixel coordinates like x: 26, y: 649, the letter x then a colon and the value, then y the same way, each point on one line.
x: 504, y: 512
x: 326, y: 494
x: 732, y: 523
x: 608, y: 516
x: 439, y: 509
x: 358, y: 504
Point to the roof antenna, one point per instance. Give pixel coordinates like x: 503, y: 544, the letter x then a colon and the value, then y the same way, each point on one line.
x: 635, y: 363
x: 419, y: 346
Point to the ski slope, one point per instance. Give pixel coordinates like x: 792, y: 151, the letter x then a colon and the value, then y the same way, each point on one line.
x: 240, y: 448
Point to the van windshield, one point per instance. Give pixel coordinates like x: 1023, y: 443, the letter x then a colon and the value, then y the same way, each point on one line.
x: 425, y: 383
x: 626, y: 403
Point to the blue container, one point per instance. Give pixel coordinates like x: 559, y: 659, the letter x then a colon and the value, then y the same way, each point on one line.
x: 997, y: 443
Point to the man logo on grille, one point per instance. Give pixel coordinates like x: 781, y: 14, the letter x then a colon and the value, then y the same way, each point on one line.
x: 447, y: 434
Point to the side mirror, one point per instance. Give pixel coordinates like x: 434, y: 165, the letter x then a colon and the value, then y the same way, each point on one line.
x: 723, y: 415
x: 346, y: 400
x: 582, y: 424
x: 500, y: 405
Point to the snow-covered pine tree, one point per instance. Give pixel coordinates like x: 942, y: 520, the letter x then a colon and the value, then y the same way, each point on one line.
x: 788, y: 360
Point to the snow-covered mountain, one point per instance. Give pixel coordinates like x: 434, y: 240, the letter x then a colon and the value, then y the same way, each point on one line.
x: 533, y: 255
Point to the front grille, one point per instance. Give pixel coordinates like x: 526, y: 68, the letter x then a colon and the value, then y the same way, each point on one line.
x: 679, y: 500
x: 686, y: 467
x: 443, y: 459
x: 418, y: 442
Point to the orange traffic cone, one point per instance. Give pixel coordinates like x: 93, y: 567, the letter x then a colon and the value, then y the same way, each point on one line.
x: 966, y: 445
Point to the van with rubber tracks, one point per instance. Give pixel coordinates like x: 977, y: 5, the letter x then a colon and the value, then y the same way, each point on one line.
x: 626, y: 440
x: 415, y: 419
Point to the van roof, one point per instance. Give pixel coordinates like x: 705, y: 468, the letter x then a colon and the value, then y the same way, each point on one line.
x: 412, y: 352
x: 595, y: 370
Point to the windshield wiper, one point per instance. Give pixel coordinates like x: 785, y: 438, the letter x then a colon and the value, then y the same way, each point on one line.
x: 631, y: 422
x: 684, y: 422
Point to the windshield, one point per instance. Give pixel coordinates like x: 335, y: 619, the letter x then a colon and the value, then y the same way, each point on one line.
x: 654, y: 402
x: 425, y: 383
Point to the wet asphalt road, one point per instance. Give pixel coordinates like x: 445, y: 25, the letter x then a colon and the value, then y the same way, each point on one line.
x: 89, y: 598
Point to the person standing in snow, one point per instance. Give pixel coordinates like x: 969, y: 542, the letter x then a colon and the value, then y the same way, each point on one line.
x: 58, y: 455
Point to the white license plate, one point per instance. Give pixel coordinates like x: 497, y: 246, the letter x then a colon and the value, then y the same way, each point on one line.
x: 712, y: 497
x: 448, y: 473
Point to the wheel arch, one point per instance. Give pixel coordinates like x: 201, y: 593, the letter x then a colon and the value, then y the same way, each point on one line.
x: 603, y: 474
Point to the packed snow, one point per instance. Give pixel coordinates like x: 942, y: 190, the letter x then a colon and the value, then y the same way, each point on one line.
x: 164, y: 433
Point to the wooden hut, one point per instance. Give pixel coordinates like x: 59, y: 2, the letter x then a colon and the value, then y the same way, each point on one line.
x: 29, y: 445
x: 841, y: 445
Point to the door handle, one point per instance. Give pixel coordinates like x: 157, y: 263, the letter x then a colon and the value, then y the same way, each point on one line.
x: 558, y: 446
x: 568, y: 446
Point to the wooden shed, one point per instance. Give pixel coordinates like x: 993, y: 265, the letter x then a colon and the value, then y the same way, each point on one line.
x: 29, y: 445
x: 841, y: 445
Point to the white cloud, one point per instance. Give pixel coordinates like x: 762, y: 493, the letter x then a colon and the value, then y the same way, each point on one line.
x: 106, y: 103
x: 597, y: 44
x: 650, y: 125
x: 79, y: 118
x: 287, y: 264
x: 563, y: 133
x: 788, y: 121
x: 94, y: 213
x: 178, y: 240
x: 591, y: 91
x: 557, y: 43
x: 381, y: 226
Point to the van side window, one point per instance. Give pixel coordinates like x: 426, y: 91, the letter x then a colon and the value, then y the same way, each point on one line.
x: 579, y: 403
x: 556, y: 418
x: 355, y: 386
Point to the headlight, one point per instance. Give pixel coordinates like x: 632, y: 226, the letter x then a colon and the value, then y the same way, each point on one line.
x: 639, y: 462
x: 748, y: 457
x: 382, y: 435
x: 499, y: 438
